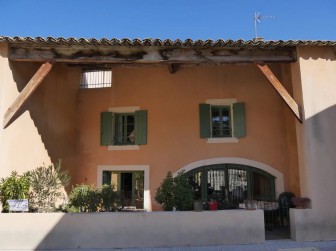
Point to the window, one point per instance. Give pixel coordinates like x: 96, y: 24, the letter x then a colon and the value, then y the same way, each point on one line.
x: 96, y: 79
x: 220, y: 121
x: 231, y: 184
x: 131, y: 180
x: 129, y: 185
x: 123, y: 128
x: 222, y: 118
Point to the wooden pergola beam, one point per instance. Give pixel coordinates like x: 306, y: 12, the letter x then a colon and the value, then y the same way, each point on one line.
x: 281, y: 90
x: 27, y: 91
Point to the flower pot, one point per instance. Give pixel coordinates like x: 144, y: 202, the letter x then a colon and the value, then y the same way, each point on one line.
x: 198, y: 206
x: 213, y: 205
x: 300, y: 202
x: 251, y: 204
x: 254, y: 204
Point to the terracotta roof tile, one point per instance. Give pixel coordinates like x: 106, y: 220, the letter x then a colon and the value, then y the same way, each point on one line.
x: 51, y: 41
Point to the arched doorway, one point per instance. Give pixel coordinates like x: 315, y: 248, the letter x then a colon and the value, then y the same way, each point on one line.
x: 231, y: 184
x: 279, y: 179
x: 235, y: 179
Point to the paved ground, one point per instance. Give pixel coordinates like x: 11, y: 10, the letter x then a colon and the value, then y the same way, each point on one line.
x: 276, y: 245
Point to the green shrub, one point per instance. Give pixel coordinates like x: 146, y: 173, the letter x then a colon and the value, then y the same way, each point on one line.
x: 14, y: 187
x: 46, y: 184
x: 85, y: 198
x: 165, y: 193
x: 110, y: 198
x: 175, y: 192
x: 183, y: 193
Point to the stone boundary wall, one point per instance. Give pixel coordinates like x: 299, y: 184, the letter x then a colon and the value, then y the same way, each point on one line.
x: 127, y: 230
x: 311, y: 225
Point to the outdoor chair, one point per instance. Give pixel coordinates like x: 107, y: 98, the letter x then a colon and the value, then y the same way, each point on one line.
x: 285, y: 202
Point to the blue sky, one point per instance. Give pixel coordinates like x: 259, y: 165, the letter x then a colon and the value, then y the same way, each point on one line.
x: 195, y: 19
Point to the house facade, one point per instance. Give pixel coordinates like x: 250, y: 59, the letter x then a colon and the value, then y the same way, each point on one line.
x: 250, y: 118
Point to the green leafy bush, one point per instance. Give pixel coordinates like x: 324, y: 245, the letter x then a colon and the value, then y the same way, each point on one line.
x: 110, y: 198
x: 175, y: 192
x: 165, y: 193
x: 85, y: 198
x: 12, y: 188
x: 183, y: 193
x: 46, y: 187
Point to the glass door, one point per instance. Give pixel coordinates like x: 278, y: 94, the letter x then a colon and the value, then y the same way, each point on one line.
x: 130, y: 186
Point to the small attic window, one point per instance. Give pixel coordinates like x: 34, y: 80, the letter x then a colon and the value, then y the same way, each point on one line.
x: 96, y: 79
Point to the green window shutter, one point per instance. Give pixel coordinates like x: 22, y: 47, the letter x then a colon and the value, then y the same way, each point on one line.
x: 107, y: 177
x: 205, y: 127
x: 239, y: 120
x: 140, y: 127
x: 106, y: 132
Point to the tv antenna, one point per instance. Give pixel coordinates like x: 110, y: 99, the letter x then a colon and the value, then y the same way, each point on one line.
x: 257, y: 19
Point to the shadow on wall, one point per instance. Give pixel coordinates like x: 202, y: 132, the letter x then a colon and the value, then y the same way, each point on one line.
x: 134, y: 229
x: 321, y: 156
x: 52, y: 108
x: 317, y: 53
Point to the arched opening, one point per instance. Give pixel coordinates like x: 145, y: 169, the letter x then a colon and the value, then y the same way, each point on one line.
x: 231, y: 184
x: 233, y: 180
x: 279, y: 179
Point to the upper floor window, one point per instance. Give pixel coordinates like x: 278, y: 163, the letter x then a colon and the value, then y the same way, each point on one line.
x: 124, y: 129
x: 221, y: 121
x: 123, y: 126
x: 96, y: 79
x: 222, y: 118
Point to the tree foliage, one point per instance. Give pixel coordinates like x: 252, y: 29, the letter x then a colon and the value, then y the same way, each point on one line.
x: 47, y: 187
x: 86, y: 198
x: 13, y: 187
x: 110, y: 198
x: 175, y: 192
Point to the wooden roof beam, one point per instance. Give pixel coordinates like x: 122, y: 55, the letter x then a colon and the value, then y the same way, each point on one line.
x: 281, y: 90
x: 27, y: 91
x: 150, y: 55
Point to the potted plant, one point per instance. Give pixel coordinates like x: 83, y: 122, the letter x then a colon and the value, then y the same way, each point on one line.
x: 251, y: 204
x: 213, y: 202
x: 197, y: 194
x: 301, y: 202
x: 198, y: 205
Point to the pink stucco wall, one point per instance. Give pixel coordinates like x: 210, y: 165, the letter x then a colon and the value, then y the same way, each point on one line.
x: 62, y: 121
x: 173, y: 120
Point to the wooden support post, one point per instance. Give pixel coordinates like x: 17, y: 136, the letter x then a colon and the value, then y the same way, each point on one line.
x: 27, y: 91
x: 281, y: 90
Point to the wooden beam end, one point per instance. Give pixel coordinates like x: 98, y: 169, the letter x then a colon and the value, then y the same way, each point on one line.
x: 281, y: 90
x: 172, y: 68
x: 27, y: 91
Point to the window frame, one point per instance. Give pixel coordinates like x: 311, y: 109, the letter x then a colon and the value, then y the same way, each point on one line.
x: 140, y: 127
x: 123, y: 110
x: 221, y: 108
x: 102, y: 81
x: 124, y: 130
x: 128, y: 168
x: 222, y: 102
x: 119, y: 184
